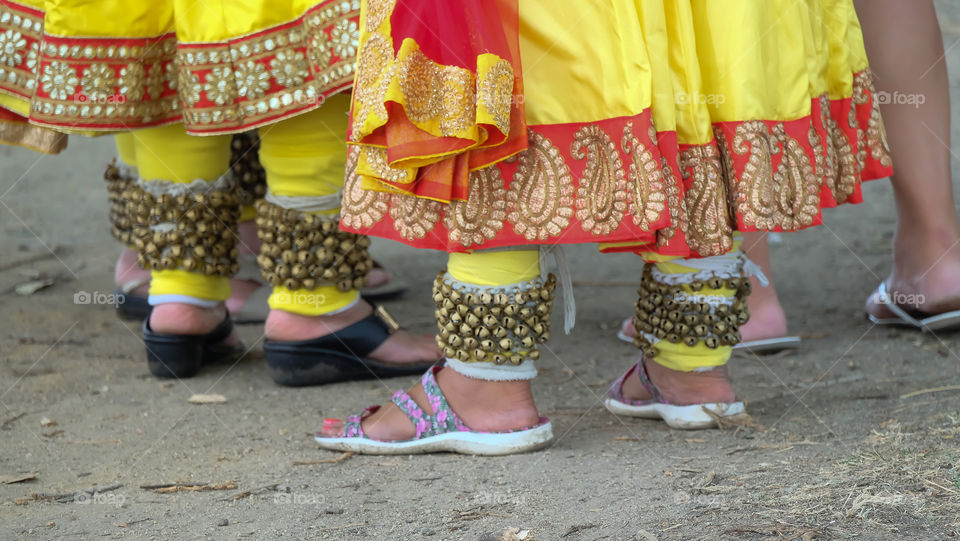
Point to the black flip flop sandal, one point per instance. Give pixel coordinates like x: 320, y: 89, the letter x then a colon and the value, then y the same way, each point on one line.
x: 131, y: 307
x: 182, y: 355
x: 340, y: 356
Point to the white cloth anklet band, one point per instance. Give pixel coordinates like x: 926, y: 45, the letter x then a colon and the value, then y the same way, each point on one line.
x: 154, y: 300
x: 524, y: 371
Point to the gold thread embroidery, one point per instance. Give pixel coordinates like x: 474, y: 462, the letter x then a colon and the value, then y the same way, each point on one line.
x: 788, y: 198
x: 414, y: 217
x: 646, y: 176
x: 602, y: 196
x: 496, y: 90
x: 361, y: 208
x: 541, y: 193
x: 876, y: 134
x: 482, y: 215
x: 378, y: 11
x: 370, y: 89
x: 709, y: 232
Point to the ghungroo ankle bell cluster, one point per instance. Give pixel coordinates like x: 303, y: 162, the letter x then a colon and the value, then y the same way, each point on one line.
x: 669, y: 312
x: 118, y: 177
x: 493, y: 324
x: 245, y: 164
x: 191, y: 227
x: 302, y: 251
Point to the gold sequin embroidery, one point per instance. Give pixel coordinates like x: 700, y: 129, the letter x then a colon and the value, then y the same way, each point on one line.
x: 361, y: 208
x: 602, y: 196
x: 541, y: 193
x: 414, y: 217
x: 646, y: 177
x: 709, y: 232
x: 482, y: 215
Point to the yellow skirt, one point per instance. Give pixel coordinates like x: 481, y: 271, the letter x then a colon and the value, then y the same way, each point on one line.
x: 647, y: 125
x: 217, y: 66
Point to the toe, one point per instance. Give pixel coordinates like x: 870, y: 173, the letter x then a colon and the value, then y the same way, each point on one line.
x: 332, y: 428
x: 627, y: 327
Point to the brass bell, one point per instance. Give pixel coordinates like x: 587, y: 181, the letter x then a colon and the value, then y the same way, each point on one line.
x: 483, y: 333
x: 701, y: 330
x: 509, y: 322
x: 487, y: 345
x: 711, y: 342
x: 479, y: 354
x: 690, y: 341
x: 715, y: 283
x: 506, y: 344
x: 500, y: 332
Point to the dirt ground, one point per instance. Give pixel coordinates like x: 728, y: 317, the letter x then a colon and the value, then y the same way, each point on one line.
x: 852, y: 442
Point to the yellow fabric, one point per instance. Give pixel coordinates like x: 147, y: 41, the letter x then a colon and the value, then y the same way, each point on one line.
x: 126, y: 148
x: 305, y: 156
x: 168, y: 153
x: 311, y: 302
x: 682, y: 357
x: 181, y: 282
x: 192, y: 20
x: 494, y: 268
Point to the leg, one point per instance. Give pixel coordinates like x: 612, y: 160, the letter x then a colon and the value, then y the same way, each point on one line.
x: 687, y: 322
x: 490, y: 353
x: 315, y: 269
x: 127, y: 275
x: 186, y: 217
x: 906, y: 52
x: 767, y: 317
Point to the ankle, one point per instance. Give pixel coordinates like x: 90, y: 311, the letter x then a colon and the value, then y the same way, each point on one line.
x: 178, y: 318
x: 284, y: 326
x: 691, y: 387
x: 489, y: 406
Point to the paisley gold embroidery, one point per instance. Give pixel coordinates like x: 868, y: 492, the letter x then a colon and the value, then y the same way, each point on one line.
x: 459, y: 100
x: 789, y: 197
x: 708, y: 232
x: 602, y: 196
x: 843, y: 168
x: 376, y: 158
x: 675, y: 204
x: 361, y: 208
x: 377, y: 12
x: 496, y: 91
x: 645, y: 176
x: 370, y: 89
x: 481, y: 216
x: 419, y: 79
x: 413, y: 217
x: 541, y: 194
x: 876, y: 134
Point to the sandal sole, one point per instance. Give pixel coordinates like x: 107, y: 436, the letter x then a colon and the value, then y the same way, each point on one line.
x: 693, y: 417
x: 466, y: 443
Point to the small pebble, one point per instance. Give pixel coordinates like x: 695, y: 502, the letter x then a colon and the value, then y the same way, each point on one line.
x: 223, y: 522
x: 334, y: 511
x: 428, y: 531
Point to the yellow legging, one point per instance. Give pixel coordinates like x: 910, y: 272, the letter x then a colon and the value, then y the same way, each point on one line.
x: 303, y: 156
x: 680, y: 356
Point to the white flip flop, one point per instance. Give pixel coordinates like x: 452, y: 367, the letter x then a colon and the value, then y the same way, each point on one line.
x: 441, y: 431
x: 689, y: 417
x: 947, y: 321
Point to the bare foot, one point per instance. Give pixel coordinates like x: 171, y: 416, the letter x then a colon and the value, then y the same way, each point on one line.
x: 401, y: 347
x: 682, y: 388
x: 484, y: 406
x: 127, y: 270
x: 934, y: 290
x: 378, y: 277
x: 187, y: 319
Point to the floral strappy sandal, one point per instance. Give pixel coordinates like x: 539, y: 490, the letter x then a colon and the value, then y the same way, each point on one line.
x: 685, y: 417
x: 442, y: 431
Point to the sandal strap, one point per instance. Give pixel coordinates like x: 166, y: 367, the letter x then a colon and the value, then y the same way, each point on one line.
x: 422, y: 421
x: 884, y: 297
x: 352, y: 427
x: 445, y: 419
x: 648, y: 385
